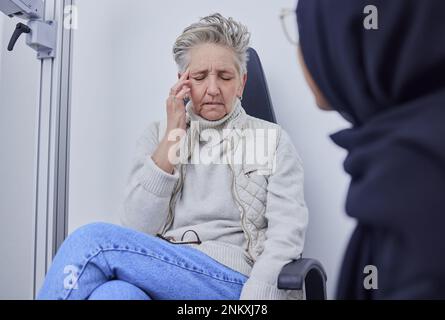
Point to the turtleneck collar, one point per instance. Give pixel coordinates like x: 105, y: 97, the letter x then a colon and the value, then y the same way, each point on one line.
x: 209, y: 124
x: 196, y: 124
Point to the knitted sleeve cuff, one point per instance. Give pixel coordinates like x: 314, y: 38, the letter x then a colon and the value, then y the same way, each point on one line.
x: 156, y: 180
x: 258, y: 290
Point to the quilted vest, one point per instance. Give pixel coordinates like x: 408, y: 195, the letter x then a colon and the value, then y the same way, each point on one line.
x: 249, y: 179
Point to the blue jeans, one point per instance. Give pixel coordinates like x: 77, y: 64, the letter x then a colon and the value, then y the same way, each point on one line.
x: 107, y: 262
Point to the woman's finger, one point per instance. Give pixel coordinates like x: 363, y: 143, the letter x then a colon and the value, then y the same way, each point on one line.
x: 174, y: 99
x: 185, y: 75
x: 178, y: 86
x: 181, y: 95
x: 183, y: 79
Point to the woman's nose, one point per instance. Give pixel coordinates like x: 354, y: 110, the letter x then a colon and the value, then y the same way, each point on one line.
x: 212, y: 87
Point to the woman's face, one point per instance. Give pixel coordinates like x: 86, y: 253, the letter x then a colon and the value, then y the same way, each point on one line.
x: 215, y: 81
x: 320, y: 99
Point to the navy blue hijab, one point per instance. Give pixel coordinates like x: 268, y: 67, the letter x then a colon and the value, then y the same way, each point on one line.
x: 390, y: 84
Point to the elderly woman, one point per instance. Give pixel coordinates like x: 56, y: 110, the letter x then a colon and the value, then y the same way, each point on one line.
x: 219, y: 230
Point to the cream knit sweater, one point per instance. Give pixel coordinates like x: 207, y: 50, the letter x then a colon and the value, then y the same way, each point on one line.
x: 206, y: 206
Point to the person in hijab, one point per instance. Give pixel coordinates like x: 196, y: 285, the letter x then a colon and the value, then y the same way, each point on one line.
x: 389, y: 83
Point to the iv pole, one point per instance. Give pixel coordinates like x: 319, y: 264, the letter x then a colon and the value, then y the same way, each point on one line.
x: 47, y: 35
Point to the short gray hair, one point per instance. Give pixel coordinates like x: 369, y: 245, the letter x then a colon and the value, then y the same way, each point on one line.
x: 213, y: 29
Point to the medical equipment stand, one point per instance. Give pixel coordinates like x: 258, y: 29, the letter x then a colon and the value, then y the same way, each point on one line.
x: 50, y: 35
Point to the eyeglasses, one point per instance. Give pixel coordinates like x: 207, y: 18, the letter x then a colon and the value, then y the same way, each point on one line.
x: 173, y: 241
x: 288, y: 22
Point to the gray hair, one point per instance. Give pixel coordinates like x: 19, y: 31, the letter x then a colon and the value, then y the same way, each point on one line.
x: 213, y: 29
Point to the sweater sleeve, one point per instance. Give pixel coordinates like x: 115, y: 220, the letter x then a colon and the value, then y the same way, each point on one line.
x: 148, y: 189
x: 287, y: 218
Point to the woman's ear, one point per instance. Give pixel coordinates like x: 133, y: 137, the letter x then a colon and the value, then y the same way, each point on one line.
x: 242, y: 86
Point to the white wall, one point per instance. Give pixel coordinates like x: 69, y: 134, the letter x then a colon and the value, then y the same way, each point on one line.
x: 1, y: 41
x: 123, y: 70
x: 19, y: 83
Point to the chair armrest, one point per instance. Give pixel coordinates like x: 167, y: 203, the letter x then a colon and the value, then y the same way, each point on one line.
x: 307, y: 273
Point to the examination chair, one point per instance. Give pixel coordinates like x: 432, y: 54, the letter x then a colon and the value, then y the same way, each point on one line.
x: 303, y: 273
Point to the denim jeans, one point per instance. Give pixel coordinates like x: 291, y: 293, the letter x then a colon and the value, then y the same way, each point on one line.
x: 108, y: 262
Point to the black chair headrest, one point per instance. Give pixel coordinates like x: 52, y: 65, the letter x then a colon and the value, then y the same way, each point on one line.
x: 256, y: 97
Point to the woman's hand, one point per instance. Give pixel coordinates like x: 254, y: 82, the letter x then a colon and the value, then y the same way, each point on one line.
x: 175, y: 120
x: 175, y: 103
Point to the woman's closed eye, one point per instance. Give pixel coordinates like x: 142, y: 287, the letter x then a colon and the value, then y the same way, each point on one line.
x: 203, y: 77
